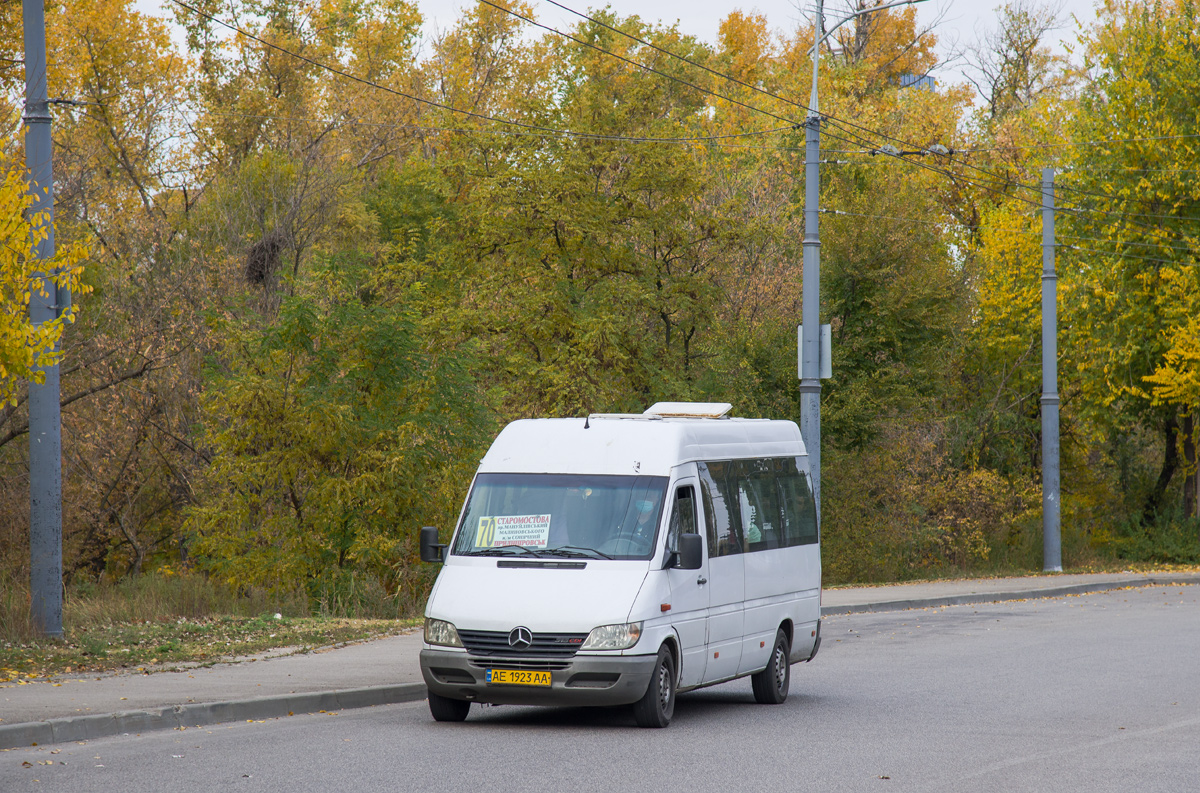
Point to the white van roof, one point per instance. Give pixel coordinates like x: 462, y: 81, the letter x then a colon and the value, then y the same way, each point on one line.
x: 648, y: 444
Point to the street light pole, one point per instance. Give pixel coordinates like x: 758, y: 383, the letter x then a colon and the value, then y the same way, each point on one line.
x: 810, y: 334
x: 810, y: 341
x: 45, y: 429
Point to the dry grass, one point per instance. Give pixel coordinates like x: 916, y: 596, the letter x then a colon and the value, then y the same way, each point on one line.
x: 163, y: 620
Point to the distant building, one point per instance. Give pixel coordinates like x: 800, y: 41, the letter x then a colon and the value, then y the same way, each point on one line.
x: 924, y: 82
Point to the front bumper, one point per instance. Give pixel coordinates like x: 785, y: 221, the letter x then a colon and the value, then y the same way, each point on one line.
x: 586, y: 679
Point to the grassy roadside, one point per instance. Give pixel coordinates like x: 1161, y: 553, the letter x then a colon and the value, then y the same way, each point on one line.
x: 167, y: 644
x: 166, y: 621
x: 162, y: 622
x: 131, y: 646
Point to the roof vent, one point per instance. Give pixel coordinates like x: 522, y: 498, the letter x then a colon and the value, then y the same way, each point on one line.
x: 690, y: 410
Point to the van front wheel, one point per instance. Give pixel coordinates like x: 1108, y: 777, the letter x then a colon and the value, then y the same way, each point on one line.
x: 771, y: 684
x: 657, y: 705
x: 446, y: 709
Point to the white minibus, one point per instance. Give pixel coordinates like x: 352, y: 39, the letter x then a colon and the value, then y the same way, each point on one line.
x: 620, y: 559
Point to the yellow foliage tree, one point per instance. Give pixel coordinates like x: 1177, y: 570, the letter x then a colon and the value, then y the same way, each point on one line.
x: 23, y: 345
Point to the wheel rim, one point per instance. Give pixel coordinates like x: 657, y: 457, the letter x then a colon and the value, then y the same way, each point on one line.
x: 664, y: 687
x: 781, y: 669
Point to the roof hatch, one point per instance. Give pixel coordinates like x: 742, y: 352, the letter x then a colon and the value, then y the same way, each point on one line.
x: 691, y: 410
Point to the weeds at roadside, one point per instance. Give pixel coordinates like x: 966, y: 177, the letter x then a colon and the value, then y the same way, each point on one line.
x: 162, y: 621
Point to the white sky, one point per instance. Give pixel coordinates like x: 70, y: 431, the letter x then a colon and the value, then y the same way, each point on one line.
x: 962, y: 19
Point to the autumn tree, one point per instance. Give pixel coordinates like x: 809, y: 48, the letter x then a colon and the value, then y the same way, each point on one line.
x: 1132, y: 281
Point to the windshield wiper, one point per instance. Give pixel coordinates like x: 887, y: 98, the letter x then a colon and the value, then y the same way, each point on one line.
x: 575, y: 552
x: 503, y: 550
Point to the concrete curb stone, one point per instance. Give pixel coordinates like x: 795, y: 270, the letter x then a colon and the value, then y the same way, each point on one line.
x: 101, y: 725
x: 997, y: 597
x: 81, y: 728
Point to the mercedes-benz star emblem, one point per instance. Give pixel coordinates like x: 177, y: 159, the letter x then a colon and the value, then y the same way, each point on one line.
x: 520, y: 638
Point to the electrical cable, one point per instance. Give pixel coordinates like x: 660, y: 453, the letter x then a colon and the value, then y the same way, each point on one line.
x: 1114, y: 198
x: 650, y: 69
x: 1034, y: 188
x: 467, y: 131
x: 550, y: 131
x: 670, y: 54
x: 1105, y: 142
x: 534, y: 128
x: 1066, y: 208
x: 1118, y: 255
x: 1163, y: 246
x: 883, y: 217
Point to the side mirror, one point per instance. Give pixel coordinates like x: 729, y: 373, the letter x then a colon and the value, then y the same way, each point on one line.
x: 691, y: 552
x: 431, y: 549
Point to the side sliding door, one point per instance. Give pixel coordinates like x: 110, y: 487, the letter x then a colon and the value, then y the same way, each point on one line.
x: 726, y: 571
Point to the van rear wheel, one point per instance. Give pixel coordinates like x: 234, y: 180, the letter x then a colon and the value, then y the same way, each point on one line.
x: 771, y: 684
x: 446, y: 709
x: 657, y: 705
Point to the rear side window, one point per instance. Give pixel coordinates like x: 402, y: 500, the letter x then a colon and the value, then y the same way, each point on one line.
x: 720, y: 508
x: 799, y: 510
x: 757, y: 505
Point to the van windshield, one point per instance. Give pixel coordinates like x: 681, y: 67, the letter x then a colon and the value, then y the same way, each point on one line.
x: 564, y: 515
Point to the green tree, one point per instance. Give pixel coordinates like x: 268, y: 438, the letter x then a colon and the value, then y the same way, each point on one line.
x: 333, y: 435
x: 1127, y: 295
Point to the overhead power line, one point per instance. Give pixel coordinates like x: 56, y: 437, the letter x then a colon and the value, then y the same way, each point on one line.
x: 1117, y: 254
x: 1157, y: 245
x: 997, y: 187
x: 550, y: 131
x: 469, y: 131
x: 921, y: 221
x: 1079, y: 143
x: 630, y: 61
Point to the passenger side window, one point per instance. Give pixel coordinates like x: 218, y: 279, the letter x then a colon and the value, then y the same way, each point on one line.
x: 799, y: 509
x: 683, y: 517
x: 759, y: 503
x: 720, y: 504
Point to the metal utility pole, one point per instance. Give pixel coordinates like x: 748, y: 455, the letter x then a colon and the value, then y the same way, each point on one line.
x: 45, y: 439
x: 1051, y: 539
x: 810, y: 341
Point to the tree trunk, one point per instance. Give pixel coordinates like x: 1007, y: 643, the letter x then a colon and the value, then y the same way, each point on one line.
x: 1170, y: 463
x: 1191, y: 483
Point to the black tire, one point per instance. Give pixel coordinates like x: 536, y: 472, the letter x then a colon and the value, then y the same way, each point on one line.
x: 771, y: 684
x: 446, y: 709
x: 657, y: 705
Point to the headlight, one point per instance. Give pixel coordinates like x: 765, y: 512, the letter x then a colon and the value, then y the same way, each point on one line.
x: 613, y: 637
x: 441, y: 632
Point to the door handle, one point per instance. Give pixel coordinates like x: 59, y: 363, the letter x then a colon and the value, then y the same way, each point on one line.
x: 701, y: 581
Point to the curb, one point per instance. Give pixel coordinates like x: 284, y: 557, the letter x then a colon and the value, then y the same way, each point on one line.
x: 102, y: 725
x: 998, y: 597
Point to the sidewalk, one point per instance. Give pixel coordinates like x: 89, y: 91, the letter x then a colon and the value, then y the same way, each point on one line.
x: 386, y: 671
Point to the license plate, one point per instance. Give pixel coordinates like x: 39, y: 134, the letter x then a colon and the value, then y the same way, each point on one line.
x: 517, y: 677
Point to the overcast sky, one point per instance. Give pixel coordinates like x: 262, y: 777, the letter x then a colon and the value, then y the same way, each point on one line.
x: 961, y: 20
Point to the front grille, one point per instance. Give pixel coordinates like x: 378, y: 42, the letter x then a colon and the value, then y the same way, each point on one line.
x: 545, y: 645
x: 532, y: 665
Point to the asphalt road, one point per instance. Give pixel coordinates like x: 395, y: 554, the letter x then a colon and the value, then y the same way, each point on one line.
x: 1093, y: 693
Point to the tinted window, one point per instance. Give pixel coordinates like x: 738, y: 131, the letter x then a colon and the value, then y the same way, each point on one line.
x: 799, y: 510
x: 720, y: 513
x: 758, y: 502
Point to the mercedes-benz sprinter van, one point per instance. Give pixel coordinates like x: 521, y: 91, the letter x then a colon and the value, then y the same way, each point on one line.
x: 619, y: 559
